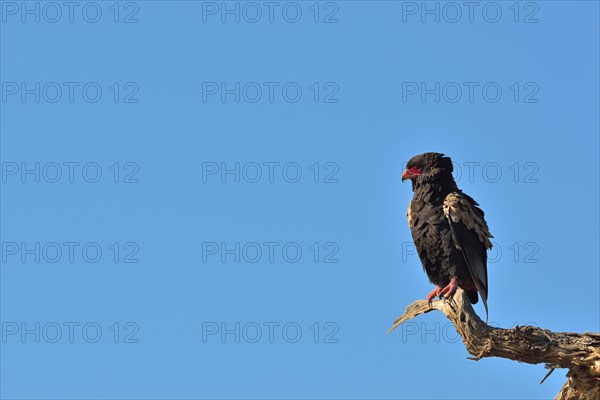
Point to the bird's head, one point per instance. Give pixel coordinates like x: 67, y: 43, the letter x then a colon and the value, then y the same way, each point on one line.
x: 428, y: 167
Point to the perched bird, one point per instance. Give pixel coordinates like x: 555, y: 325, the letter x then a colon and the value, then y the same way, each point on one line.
x: 448, y: 228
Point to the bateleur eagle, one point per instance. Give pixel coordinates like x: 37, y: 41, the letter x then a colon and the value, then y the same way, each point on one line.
x: 448, y: 229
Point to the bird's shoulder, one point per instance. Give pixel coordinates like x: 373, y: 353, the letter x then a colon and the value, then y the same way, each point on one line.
x: 461, y: 208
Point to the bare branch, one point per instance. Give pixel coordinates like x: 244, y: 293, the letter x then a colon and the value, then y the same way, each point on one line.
x: 579, y: 352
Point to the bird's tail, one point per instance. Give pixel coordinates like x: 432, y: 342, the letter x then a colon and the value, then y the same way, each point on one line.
x: 473, y: 298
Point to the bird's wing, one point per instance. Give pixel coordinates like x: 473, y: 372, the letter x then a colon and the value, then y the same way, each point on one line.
x: 471, y: 236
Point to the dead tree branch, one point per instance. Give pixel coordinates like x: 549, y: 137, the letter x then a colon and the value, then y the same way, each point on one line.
x: 578, y: 352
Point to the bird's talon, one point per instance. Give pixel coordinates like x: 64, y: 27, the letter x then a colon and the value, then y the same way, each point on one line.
x: 433, y: 294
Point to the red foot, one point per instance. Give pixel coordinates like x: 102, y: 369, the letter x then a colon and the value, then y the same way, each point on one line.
x: 433, y: 294
x: 449, y: 290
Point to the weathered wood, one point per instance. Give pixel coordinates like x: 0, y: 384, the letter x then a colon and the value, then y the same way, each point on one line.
x: 578, y: 352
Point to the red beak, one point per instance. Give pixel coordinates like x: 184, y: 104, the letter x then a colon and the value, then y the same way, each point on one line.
x: 410, y: 173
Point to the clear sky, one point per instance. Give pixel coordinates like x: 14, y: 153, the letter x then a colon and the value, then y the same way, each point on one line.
x: 194, y: 208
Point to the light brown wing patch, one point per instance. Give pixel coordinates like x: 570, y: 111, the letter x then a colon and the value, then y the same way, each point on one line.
x: 408, y: 215
x: 458, y: 209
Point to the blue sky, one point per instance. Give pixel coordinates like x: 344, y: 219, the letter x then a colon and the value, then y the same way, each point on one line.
x: 199, y: 207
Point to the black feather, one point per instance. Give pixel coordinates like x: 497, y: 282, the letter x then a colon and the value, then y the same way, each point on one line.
x: 475, y: 255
